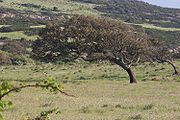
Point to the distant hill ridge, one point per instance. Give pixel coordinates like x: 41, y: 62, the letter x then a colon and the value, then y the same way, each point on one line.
x: 138, y: 12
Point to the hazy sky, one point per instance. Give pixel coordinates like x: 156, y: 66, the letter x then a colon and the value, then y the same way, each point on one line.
x: 165, y: 3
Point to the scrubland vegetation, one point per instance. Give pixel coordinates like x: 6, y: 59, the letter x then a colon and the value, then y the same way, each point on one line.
x: 54, y: 61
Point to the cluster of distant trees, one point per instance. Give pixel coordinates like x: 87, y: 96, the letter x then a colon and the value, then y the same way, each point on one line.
x: 97, y: 38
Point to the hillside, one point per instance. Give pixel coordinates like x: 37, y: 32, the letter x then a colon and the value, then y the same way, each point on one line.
x: 163, y: 23
x: 39, y: 11
x: 131, y: 11
x: 138, y: 12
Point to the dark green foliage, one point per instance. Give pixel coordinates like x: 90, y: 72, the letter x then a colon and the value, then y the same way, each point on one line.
x: 170, y: 38
x: 55, y: 9
x: 32, y: 31
x: 30, y: 5
x: 6, y: 29
x: 92, y: 39
x: 17, y: 27
x: 148, y: 107
x: 20, y: 26
x: 138, y: 12
x: 13, y: 51
x: 14, y: 47
x: 67, y: 40
x: 45, y: 115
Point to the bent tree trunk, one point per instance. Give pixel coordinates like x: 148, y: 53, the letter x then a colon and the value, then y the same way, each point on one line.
x: 174, y: 67
x: 172, y: 64
x: 117, y: 61
x: 131, y: 74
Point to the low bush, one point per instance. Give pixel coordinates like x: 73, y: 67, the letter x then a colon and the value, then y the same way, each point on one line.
x: 4, y: 58
x: 14, y: 47
x: 6, y: 29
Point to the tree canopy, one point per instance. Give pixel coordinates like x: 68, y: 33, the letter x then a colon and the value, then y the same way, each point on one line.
x: 91, y: 38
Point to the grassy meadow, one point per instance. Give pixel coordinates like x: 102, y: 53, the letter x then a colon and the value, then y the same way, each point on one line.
x: 102, y: 92
x: 17, y: 35
x: 20, y: 34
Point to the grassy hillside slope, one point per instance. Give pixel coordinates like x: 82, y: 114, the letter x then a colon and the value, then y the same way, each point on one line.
x: 164, y: 21
x: 138, y: 12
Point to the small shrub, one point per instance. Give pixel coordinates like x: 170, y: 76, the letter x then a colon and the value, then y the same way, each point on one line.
x: 32, y: 31
x: 29, y: 5
x: 44, y: 9
x: 55, y: 9
x: 85, y: 110
x: 6, y: 29
x: 14, y: 47
x: 4, y: 58
x: 124, y: 107
x: 82, y: 78
x: 45, y: 115
x: 136, y: 117
x: 18, y: 60
x: 105, y: 106
x: 118, y: 106
x: 66, y: 77
x: 80, y: 71
x: 148, y: 107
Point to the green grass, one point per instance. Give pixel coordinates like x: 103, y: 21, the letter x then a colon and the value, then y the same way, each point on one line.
x: 93, y: 95
x: 102, y: 92
x: 38, y: 26
x: 17, y: 35
x: 4, y: 26
x: 151, y: 26
x: 86, y: 71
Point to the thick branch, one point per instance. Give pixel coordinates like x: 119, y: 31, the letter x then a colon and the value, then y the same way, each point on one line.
x: 120, y: 62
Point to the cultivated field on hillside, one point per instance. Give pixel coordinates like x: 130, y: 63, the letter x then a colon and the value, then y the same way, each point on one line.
x: 64, y: 6
x: 151, y: 26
